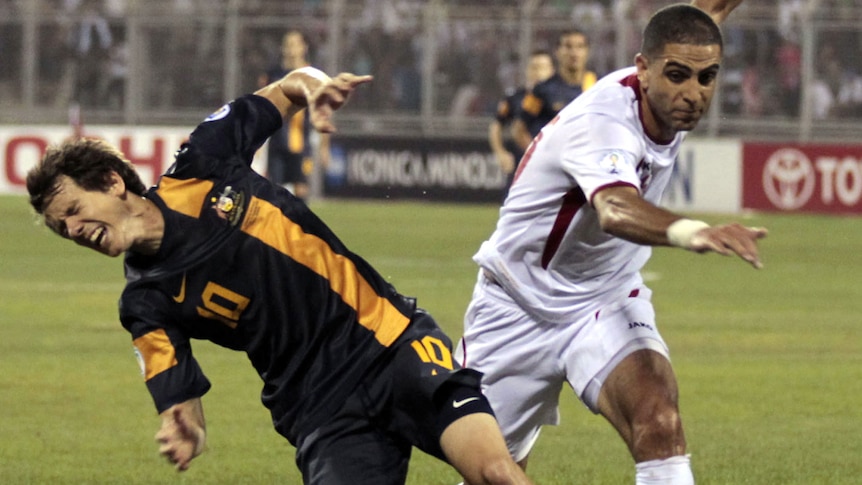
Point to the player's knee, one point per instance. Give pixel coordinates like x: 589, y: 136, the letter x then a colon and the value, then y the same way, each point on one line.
x: 500, y: 470
x: 657, y: 433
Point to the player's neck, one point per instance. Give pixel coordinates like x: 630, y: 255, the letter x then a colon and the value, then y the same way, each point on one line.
x: 575, y: 77
x: 654, y: 128
x: 291, y: 63
x: 148, y: 224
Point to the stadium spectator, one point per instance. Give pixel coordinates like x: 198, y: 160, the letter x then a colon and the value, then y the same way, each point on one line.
x: 290, y: 154
x: 540, y: 66
x: 559, y: 297
x: 788, y: 62
x: 89, y: 42
x: 547, y: 98
x: 354, y: 373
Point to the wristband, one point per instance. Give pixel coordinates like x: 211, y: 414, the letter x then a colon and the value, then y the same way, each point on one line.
x: 314, y: 72
x: 680, y: 232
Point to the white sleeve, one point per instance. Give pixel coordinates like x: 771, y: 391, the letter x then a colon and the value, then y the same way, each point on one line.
x: 602, y: 152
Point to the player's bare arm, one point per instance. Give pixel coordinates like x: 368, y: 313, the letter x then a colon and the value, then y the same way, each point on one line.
x: 717, y: 9
x: 521, y: 134
x: 183, y: 433
x: 625, y: 214
x: 495, y: 139
x: 311, y: 88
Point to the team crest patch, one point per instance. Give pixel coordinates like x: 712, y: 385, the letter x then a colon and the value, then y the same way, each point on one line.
x: 221, y: 113
x: 228, y: 205
x: 612, y: 163
x: 140, y: 359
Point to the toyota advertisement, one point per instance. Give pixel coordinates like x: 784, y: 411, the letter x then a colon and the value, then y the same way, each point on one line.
x: 802, y: 178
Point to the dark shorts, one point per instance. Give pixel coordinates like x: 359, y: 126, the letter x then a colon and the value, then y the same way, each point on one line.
x: 289, y: 168
x: 404, y: 403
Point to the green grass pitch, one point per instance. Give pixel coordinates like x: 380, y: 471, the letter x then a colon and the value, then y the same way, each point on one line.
x: 769, y: 362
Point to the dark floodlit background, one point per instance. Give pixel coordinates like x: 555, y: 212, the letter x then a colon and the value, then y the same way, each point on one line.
x: 792, y: 69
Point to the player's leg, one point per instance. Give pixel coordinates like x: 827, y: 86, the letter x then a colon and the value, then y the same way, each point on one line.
x: 640, y: 399
x: 627, y: 377
x: 474, y: 445
x: 520, y: 377
x: 294, y: 177
x: 521, y: 372
x: 351, y: 448
x: 440, y: 408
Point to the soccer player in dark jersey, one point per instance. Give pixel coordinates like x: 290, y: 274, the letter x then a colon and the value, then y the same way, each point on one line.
x: 506, y: 150
x: 354, y: 374
x: 290, y: 154
x: 547, y: 98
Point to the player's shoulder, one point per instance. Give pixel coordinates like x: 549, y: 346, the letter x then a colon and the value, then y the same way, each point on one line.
x: 549, y: 85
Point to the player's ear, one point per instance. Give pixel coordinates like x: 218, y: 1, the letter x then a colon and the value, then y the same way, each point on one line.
x: 116, y: 184
x: 642, y: 64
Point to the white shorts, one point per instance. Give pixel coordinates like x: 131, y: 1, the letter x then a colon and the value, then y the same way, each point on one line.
x: 526, y: 362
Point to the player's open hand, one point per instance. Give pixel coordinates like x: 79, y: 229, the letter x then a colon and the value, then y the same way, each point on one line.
x: 729, y: 239
x: 329, y: 97
x: 181, y: 438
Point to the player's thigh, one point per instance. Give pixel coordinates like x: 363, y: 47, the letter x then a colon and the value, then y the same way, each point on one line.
x: 640, y: 387
x: 606, y: 341
x: 522, y: 376
x: 352, y: 449
x: 429, y: 390
x: 295, y: 167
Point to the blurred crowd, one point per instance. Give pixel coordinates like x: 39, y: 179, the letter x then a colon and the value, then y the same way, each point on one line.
x: 450, y: 57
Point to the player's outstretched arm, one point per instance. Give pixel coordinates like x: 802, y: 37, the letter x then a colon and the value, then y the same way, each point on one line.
x: 726, y: 239
x: 330, y: 96
x: 625, y: 214
x: 311, y: 88
x: 717, y: 9
x: 183, y: 433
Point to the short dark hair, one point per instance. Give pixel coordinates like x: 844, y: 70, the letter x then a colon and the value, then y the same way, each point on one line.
x: 570, y: 32
x: 679, y: 24
x: 87, y: 161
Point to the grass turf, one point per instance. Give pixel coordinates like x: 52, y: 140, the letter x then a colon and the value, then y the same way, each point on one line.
x: 769, y: 362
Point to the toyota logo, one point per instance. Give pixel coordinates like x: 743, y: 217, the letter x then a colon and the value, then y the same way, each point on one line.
x: 788, y: 179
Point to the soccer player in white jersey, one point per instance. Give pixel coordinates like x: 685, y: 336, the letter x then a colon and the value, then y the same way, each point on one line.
x: 560, y: 297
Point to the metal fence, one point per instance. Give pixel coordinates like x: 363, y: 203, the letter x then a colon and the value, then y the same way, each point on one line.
x: 792, y: 68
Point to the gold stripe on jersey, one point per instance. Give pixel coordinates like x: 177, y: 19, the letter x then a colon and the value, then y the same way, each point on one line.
x: 185, y: 196
x: 589, y: 80
x: 266, y: 223
x: 157, y: 352
x: 296, y: 133
x: 531, y: 104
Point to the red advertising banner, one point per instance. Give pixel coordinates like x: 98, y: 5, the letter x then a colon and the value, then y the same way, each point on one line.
x: 788, y: 177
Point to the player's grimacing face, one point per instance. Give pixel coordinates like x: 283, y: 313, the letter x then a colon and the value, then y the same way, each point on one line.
x: 91, y: 218
x: 679, y: 85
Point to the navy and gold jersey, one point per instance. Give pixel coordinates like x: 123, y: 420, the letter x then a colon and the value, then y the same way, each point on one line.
x: 248, y: 266
x: 291, y: 140
x: 548, y: 97
x: 508, y: 110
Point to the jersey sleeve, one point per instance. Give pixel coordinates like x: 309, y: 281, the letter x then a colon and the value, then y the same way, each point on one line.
x: 170, y: 371
x: 600, y: 153
x: 236, y: 131
x: 532, y: 104
x: 504, y: 111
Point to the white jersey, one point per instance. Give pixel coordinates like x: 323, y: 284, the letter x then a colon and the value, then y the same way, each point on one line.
x: 548, y: 251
